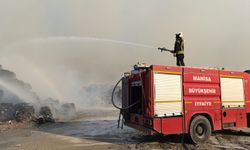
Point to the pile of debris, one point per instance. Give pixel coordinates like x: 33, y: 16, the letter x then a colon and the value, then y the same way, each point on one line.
x: 45, y: 115
x: 61, y: 111
x: 26, y: 112
x: 6, y: 111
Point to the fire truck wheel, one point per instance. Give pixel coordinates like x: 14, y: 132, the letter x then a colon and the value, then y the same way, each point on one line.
x: 200, y: 129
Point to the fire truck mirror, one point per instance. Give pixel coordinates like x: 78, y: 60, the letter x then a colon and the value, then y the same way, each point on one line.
x: 224, y: 114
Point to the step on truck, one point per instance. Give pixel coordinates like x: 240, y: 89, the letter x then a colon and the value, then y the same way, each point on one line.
x: 185, y: 100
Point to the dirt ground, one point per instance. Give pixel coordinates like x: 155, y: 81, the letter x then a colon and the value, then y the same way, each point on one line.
x: 97, y: 129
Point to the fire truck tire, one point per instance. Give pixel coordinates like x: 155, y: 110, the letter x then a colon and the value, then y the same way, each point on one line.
x: 200, y: 129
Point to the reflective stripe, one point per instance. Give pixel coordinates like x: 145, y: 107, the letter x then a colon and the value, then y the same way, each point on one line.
x: 180, y: 52
x: 167, y: 101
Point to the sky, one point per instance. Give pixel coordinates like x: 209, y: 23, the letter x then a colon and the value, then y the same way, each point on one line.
x: 58, y: 46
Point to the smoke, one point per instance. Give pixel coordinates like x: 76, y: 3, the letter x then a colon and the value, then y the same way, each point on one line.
x: 99, y: 95
x: 65, y: 48
x: 16, y: 96
x: 65, y: 76
x: 13, y: 90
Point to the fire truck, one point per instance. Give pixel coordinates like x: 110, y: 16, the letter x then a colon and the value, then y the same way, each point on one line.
x: 185, y: 100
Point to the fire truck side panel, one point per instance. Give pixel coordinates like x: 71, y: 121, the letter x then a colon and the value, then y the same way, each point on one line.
x: 202, y: 96
x: 241, y: 120
x: 171, y: 125
x: 214, y: 116
x: 150, y: 106
x: 167, y: 98
x: 247, y: 95
x: 233, y: 97
x: 234, y: 117
x: 167, y: 91
x: 157, y: 124
x: 148, y: 82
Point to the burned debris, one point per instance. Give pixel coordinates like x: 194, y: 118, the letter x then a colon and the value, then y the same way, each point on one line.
x: 7, y: 111
x: 24, y: 112
x: 45, y: 115
x: 19, y: 103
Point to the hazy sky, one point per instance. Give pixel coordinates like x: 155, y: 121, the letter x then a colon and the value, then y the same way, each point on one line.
x: 49, y: 43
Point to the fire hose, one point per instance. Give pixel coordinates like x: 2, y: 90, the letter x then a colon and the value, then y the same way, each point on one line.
x: 112, y: 98
x: 127, y: 107
x: 120, y: 108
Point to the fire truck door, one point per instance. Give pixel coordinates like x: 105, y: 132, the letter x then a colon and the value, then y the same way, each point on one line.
x: 233, y: 102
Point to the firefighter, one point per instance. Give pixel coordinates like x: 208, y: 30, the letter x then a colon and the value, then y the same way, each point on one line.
x: 179, y: 49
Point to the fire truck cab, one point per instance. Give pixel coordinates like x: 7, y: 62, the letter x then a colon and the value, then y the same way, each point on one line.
x: 185, y: 100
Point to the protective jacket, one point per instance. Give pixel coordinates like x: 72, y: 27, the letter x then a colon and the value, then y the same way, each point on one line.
x: 179, y: 46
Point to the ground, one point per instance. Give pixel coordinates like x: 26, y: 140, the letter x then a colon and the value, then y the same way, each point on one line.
x: 97, y: 129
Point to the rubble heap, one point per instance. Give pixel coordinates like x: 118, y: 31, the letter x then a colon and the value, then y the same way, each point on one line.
x: 24, y: 112
x: 7, y: 111
x: 45, y: 115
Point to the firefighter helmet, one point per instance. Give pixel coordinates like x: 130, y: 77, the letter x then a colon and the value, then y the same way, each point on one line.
x: 179, y: 34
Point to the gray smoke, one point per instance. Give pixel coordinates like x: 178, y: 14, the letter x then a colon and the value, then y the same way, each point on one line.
x: 16, y: 94
x: 54, y: 46
x: 13, y: 90
x: 99, y: 95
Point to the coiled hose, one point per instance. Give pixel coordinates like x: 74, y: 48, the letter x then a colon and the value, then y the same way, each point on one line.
x: 120, y: 108
x: 112, y: 98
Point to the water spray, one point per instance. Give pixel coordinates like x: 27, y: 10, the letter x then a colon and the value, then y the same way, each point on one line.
x: 78, y: 38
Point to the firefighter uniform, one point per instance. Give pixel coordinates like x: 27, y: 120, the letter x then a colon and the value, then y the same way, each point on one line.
x: 179, y: 50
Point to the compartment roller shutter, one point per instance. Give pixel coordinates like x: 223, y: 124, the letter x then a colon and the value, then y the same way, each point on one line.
x: 232, y: 92
x: 168, y: 95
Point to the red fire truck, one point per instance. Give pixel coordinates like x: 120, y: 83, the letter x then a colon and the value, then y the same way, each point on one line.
x: 185, y: 100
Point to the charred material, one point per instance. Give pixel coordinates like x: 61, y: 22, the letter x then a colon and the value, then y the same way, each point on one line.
x: 24, y: 112
x: 45, y: 115
x: 6, y: 112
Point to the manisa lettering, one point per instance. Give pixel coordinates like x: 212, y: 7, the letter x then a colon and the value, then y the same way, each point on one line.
x: 201, y: 78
